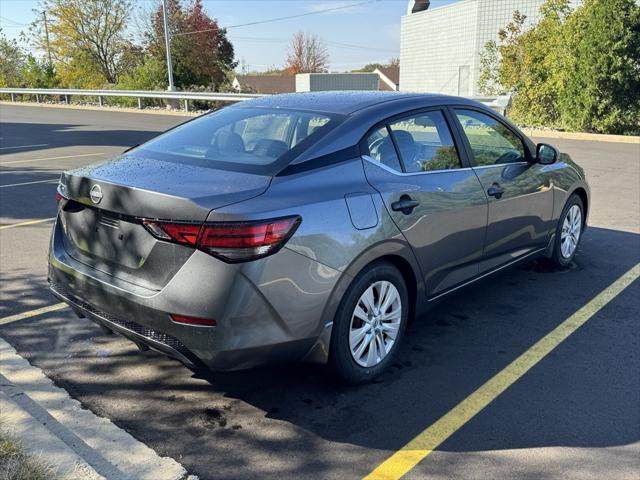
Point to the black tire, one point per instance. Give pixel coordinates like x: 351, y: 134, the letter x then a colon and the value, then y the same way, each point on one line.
x: 557, y: 259
x: 341, y: 361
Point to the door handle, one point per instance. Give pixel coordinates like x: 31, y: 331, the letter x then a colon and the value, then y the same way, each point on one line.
x: 495, y: 190
x: 406, y: 204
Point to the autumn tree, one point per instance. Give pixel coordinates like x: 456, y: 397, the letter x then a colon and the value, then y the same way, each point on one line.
x: 307, y: 54
x: 87, y: 39
x: 201, y: 53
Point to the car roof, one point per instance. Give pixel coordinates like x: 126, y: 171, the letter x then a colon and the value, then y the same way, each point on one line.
x: 342, y: 102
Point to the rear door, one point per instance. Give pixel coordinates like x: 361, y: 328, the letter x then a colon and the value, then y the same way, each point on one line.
x: 433, y: 197
x: 519, y: 192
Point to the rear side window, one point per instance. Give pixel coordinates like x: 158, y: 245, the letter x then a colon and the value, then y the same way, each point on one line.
x: 492, y: 142
x: 254, y: 140
x: 381, y: 149
x: 425, y: 143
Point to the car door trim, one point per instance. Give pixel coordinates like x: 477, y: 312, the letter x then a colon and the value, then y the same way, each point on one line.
x: 486, y: 274
x: 482, y: 167
x: 411, y: 174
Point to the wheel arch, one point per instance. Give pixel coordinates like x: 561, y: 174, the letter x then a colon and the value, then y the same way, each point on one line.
x: 582, y: 193
x: 409, y: 276
x: 396, y: 252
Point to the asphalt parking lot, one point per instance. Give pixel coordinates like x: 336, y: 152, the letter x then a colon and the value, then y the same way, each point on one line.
x: 575, y: 414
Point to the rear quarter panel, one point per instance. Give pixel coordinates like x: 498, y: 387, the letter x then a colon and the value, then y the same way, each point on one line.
x: 327, y: 234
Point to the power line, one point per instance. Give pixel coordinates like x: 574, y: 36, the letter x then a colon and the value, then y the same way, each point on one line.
x: 277, y: 19
x: 328, y: 42
x: 13, y: 22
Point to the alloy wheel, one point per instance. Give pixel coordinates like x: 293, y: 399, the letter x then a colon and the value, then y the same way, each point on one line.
x: 375, y: 323
x: 571, y: 230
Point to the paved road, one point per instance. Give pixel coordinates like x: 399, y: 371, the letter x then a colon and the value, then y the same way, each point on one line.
x: 574, y: 415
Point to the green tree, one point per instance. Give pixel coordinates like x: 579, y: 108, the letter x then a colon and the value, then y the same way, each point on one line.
x: 489, y: 80
x: 151, y: 74
x: 87, y: 39
x: 575, y: 69
x: 602, y: 93
x: 38, y: 73
x: 533, y: 64
x: 12, y: 60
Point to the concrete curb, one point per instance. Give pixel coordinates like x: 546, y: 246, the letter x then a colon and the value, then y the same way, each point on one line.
x: 594, y: 137
x: 41, y: 443
x: 69, y: 435
x: 148, y: 111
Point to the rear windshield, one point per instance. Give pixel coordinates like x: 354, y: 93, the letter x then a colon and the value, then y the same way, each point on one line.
x: 253, y: 140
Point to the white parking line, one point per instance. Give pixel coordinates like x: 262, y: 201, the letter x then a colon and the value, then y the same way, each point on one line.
x: 29, y: 183
x: 51, y: 158
x: 6, y: 172
x: 26, y: 146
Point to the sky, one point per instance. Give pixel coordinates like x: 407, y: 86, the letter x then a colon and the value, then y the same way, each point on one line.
x: 355, y: 36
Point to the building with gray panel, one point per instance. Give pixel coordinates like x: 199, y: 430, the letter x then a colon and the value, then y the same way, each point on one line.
x: 440, y: 48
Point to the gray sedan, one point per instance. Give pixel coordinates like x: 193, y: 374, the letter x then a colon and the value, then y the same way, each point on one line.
x: 308, y: 226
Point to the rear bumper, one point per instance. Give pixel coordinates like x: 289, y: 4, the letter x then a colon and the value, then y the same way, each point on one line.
x: 142, y: 336
x: 266, y: 311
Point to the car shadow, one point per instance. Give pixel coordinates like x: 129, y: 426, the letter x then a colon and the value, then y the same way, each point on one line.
x: 584, y: 394
x: 43, y: 136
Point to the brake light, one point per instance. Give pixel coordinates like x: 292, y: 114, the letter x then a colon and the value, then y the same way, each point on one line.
x: 205, y: 322
x: 60, y: 199
x: 231, y: 241
x: 186, y: 233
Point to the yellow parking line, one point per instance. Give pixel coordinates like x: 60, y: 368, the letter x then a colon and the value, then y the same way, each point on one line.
x: 28, y: 222
x: 421, y: 446
x: 32, y: 313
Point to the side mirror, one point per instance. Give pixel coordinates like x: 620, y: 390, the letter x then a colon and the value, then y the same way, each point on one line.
x: 546, y: 154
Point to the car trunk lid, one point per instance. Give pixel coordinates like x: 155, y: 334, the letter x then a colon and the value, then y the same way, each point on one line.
x: 106, y: 203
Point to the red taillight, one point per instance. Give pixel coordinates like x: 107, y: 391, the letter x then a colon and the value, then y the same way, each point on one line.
x: 232, y: 241
x: 186, y: 233
x: 60, y: 199
x: 205, y: 322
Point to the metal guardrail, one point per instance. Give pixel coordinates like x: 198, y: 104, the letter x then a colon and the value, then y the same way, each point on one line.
x: 139, y: 94
x: 499, y: 103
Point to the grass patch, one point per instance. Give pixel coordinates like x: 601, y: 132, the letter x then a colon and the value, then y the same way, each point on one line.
x: 17, y: 464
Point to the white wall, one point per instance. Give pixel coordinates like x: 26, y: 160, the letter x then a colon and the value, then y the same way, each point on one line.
x: 434, y: 44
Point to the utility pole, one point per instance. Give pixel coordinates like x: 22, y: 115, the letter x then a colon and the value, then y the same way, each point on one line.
x: 167, y: 43
x: 46, y: 30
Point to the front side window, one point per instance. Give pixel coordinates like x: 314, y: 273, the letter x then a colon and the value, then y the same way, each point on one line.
x: 425, y: 143
x: 243, y: 139
x: 492, y: 142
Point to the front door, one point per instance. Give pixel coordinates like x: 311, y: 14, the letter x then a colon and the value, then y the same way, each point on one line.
x: 519, y: 191
x: 436, y: 201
